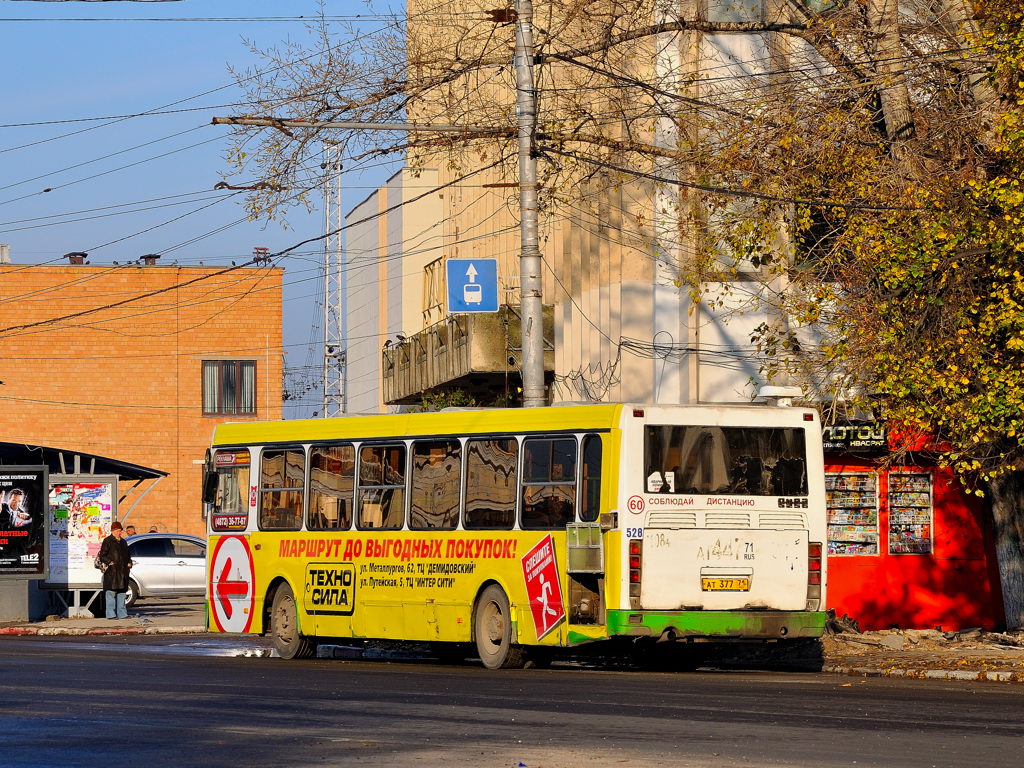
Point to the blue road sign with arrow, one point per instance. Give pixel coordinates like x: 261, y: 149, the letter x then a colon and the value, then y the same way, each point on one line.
x: 472, y: 285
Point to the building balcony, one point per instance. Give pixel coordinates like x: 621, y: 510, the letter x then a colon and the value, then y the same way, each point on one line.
x: 477, y: 353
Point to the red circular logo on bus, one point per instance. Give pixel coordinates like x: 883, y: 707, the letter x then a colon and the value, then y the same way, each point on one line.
x: 635, y: 504
x: 232, y: 587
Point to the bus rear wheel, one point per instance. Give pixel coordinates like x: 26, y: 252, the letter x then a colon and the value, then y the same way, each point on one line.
x: 284, y: 627
x: 492, y: 630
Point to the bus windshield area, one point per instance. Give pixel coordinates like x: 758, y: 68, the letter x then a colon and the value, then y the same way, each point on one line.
x: 739, y: 461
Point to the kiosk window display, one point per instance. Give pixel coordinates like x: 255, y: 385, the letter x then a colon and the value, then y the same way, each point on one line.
x: 852, y: 500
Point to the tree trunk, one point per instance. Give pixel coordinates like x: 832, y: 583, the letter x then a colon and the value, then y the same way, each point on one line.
x: 1007, y: 497
x: 959, y: 16
x: 890, y: 81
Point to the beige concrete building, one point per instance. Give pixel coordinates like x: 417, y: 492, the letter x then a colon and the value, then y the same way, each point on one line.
x: 623, y: 318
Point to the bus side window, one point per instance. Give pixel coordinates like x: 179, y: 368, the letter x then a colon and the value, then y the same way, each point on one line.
x: 436, y: 482
x: 490, y: 484
x: 332, y: 470
x: 282, y: 486
x: 549, y: 483
x: 590, y: 494
x: 381, y: 486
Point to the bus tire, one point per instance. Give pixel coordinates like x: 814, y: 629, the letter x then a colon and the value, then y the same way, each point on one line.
x: 284, y: 627
x: 492, y: 630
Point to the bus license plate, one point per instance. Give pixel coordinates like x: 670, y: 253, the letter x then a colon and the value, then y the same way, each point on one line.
x: 725, y: 584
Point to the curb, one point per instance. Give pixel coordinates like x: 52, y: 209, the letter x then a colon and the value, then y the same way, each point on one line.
x: 52, y: 631
x: 993, y: 676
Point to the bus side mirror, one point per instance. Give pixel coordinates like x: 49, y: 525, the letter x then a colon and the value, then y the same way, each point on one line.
x: 210, y: 488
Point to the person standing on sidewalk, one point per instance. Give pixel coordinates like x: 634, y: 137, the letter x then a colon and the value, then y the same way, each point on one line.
x: 114, y: 556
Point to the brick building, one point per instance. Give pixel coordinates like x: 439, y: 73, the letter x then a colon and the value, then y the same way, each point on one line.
x: 138, y: 362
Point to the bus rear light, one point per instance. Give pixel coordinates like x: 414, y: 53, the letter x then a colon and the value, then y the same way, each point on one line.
x: 814, y: 564
x: 635, y: 567
x: 638, y: 413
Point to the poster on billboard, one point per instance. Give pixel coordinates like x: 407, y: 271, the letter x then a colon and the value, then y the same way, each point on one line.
x: 23, y: 521
x: 79, y: 516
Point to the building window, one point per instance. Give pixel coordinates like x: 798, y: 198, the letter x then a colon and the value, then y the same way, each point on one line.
x: 229, y: 386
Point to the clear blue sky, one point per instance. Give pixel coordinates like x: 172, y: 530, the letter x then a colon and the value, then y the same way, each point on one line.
x: 121, y: 188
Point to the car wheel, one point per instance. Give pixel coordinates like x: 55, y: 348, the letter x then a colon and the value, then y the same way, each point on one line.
x: 284, y: 627
x: 492, y: 630
x: 132, y: 595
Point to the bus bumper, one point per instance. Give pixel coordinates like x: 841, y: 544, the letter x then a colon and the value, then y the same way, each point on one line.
x: 717, y: 625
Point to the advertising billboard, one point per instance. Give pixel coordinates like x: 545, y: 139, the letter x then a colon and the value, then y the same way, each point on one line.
x: 23, y: 492
x: 81, y: 510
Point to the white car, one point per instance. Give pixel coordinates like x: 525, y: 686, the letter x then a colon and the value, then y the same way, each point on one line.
x: 166, y: 565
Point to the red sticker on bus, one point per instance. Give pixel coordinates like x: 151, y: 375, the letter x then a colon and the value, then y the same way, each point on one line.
x: 543, y: 587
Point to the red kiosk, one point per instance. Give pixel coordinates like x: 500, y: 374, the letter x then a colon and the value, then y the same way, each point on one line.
x: 908, y: 547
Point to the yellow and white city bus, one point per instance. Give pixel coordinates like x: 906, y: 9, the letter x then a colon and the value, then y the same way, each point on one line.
x: 519, y: 530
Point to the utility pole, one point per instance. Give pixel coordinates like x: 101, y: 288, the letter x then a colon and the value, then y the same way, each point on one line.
x: 530, y: 285
x: 530, y: 259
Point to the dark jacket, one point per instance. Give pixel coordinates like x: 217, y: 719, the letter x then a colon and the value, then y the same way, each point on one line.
x: 114, y: 553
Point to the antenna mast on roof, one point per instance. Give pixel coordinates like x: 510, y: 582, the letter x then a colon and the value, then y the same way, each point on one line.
x: 335, y: 362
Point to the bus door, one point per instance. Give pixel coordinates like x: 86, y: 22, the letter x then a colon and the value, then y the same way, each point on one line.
x: 229, y: 504
x: 585, y: 542
x: 585, y: 574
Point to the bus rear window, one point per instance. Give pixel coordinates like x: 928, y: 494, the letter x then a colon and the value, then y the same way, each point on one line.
x: 740, y: 461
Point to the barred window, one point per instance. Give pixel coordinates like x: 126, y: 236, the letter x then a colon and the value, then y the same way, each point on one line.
x: 229, y: 386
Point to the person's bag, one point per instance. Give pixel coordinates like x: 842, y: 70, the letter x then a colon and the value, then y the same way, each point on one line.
x: 99, y: 564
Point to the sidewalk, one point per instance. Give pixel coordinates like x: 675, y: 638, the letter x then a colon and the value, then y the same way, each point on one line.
x: 149, y: 617
x: 968, y: 655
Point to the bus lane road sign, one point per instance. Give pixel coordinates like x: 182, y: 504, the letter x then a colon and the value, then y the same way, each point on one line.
x: 232, y: 584
x: 543, y: 587
x: 472, y: 285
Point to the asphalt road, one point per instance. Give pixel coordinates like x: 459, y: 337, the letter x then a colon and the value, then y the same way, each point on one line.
x: 158, y: 701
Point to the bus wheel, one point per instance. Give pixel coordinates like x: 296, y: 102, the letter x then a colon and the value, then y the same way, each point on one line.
x: 492, y: 630
x: 284, y: 627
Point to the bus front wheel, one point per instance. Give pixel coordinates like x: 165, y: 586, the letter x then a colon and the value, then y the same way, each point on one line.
x: 284, y: 627
x: 492, y: 630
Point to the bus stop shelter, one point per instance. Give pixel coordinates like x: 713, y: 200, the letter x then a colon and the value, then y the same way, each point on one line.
x: 86, y: 493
